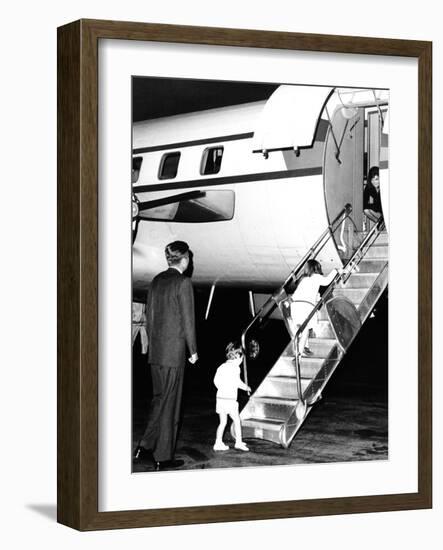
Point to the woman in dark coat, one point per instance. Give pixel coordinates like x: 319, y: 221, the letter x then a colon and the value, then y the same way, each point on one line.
x: 371, y: 195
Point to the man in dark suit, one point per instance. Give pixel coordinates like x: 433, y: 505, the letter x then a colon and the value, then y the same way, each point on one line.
x: 171, y: 329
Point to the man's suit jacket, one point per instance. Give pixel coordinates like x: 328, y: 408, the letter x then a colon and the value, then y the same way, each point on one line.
x: 171, y: 319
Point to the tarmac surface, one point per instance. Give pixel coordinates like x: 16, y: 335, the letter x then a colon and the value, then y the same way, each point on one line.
x: 350, y: 423
x: 339, y: 429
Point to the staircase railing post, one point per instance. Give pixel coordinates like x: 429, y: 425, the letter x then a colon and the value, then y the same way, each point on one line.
x: 245, y: 366
x: 297, y: 366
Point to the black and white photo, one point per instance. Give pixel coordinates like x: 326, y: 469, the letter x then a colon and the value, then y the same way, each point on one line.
x: 264, y: 208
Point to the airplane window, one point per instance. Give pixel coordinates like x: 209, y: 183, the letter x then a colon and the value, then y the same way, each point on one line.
x: 211, y: 206
x: 169, y: 166
x: 211, y: 160
x: 136, y: 165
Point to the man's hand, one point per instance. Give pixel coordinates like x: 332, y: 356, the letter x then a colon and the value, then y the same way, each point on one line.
x: 193, y: 359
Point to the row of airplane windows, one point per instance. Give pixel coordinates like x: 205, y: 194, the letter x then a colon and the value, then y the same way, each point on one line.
x: 210, y: 164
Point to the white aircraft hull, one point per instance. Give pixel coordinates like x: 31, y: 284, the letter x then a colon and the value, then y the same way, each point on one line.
x: 282, y: 203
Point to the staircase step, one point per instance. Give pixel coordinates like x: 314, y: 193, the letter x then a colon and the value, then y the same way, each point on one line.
x: 309, y: 367
x: 323, y: 329
x: 359, y: 280
x: 382, y: 238
x: 277, y: 408
x: 280, y: 386
x: 322, y: 314
x: 274, y: 401
x: 356, y: 295
x: 320, y: 347
x: 370, y: 265
x: 272, y: 424
x: 262, y: 428
x: 377, y: 251
x: 285, y: 366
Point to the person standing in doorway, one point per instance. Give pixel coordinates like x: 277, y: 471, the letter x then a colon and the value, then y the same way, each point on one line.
x: 171, y: 330
x: 371, y: 195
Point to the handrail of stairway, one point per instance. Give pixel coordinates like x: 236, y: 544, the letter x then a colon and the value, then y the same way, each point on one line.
x: 311, y: 253
x: 345, y: 273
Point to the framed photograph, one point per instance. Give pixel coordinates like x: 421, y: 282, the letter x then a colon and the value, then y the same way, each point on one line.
x: 244, y: 275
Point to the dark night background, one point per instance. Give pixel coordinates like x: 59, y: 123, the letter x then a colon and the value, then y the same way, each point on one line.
x: 158, y: 97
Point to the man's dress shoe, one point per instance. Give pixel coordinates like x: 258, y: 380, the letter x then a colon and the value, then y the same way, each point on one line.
x: 142, y: 455
x: 168, y: 464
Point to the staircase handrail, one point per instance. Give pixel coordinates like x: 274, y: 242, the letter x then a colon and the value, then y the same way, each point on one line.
x: 344, y: 275
x: 313, y: 251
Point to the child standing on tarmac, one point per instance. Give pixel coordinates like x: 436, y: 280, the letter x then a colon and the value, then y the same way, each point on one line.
x: 227, y: 381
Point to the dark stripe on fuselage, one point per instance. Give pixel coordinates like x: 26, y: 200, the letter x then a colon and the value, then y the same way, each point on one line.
x: 182, y: 144
x: 244, y: 178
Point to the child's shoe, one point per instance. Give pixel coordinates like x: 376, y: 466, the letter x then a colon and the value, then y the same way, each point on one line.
x: 241, y: 446
x: 220, y: 446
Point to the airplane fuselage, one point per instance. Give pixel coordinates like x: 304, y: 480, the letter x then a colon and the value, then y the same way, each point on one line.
x: 252, y: 216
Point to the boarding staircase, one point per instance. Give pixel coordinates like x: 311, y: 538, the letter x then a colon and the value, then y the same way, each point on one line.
x: 279, y: 405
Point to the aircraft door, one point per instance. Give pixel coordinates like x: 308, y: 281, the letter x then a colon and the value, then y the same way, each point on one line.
x: 343, y: 164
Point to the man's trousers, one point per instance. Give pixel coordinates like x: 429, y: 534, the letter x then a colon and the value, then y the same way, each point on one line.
x: 164, y: 413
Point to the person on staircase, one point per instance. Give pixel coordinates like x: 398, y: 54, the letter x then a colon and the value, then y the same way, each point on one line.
x: 227, y: 381
x: 305, y: 297
x: 371, y: 195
